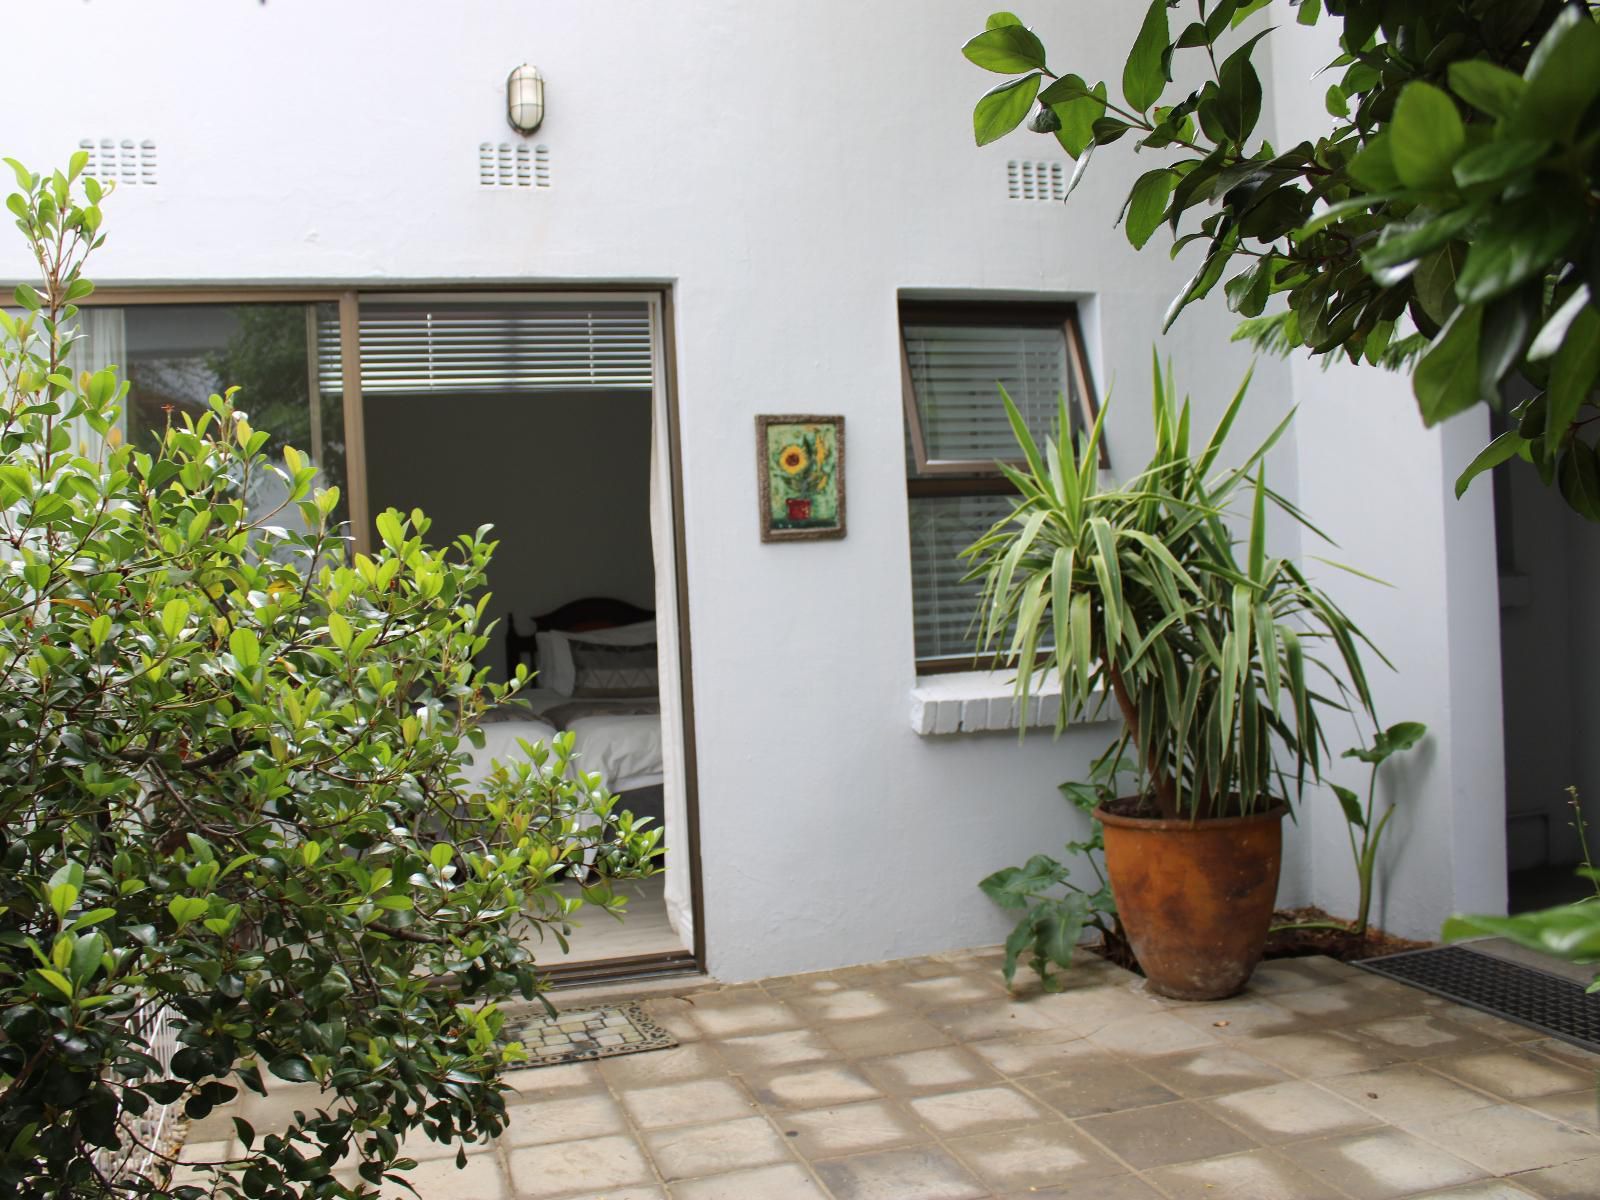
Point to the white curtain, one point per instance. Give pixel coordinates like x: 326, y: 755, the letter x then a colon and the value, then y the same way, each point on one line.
x: 104, y: 344
x: 680, y: 904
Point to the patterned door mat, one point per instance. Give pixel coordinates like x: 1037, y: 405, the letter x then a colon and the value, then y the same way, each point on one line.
x: 584, y: 1034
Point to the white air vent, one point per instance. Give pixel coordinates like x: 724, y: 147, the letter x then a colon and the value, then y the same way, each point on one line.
x: 513, y: 165
x: 1036, y: 180
x: 129, y: 163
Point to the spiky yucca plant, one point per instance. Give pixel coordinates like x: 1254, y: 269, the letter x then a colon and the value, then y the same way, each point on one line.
x: 1135, y: 592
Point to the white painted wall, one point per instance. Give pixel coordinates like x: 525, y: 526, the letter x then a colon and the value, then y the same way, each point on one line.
x: 787, y: 169
x: 1382, y: 486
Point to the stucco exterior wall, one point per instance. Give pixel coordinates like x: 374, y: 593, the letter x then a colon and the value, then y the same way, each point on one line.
x: 786, y: 168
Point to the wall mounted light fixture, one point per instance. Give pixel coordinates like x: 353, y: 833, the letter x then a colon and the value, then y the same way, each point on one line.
x: 525, y: 99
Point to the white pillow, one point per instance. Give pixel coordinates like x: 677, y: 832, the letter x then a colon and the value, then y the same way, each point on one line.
x: 556, y: 669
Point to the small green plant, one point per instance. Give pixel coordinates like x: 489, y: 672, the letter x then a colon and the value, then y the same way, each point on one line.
x: 1052, y: 925
x: 1364, y: 849
x: 1569, y: 931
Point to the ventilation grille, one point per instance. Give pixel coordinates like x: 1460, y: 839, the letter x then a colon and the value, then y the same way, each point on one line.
x: 1036, y: 180
x: 129, y: 163
x: 545, y: 346
x: 513, y: 165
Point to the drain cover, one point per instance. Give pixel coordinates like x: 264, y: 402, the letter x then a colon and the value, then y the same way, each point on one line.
x: 1529, y: 997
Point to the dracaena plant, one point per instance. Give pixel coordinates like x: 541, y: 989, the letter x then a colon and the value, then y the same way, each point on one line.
x: 231, y: 789
x: 1135, y: 595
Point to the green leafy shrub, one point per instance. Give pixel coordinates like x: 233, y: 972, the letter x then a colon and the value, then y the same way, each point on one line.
x: 1053, y: 923
x: 1446, y: 214
x: 232, y: 788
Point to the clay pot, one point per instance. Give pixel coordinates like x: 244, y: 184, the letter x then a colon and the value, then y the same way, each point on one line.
x: 1195, y: 897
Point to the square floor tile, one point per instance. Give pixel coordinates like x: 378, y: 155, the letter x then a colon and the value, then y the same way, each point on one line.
x: 881, y: 1035
x: 1506, y: 1138
x: 1247, y: 1016
x: 482, y: 1178
x: 927, y: 1173
x: 949, y: 989
x: 1407, y: 1091
x: 1149, y: 1034
x: 811, y: 1085
x: 1580, y: 1108
x: 988, y: 1019
x: 686, y: 1103
x: 982, y: 1110
x: 1252, y: 1175
x: 850, y: 1129
x: 1289, y: 1112
x: 763, y: 1051
x: 690, y: 1151
x: 1570, y: 1181
x: 639, y: 1193
x: 1417, y: 1037
x: 1342, y: 1004
x: 566, y: 1120
x: 1165, y: 1134
x: 1382, y: 1164
x: 735, y: 1018
x: 533, y: 1084
x: 787, y: 1181
x: 850, y: 1004
x: 562, y: 1168
x: 1097, y: 1085
x: 1037, y: 1053
x: 1514, y: 1074
x: 676, y: 1015
x: 1573, y: 1056
x: 1289, y: 975
x: 697, y: 1060
x: 1213, y: 1071
x: 1039, y: 1156
x: 1319, y: 1055
x: 940, y: 1068
x: 1488, y: 1189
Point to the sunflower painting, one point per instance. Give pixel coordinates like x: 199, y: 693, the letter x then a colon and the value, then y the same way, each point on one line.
x: 801, y: 463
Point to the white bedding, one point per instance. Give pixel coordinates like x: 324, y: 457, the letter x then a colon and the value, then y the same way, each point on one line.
x: 624, y: 748
x: 500, y: 740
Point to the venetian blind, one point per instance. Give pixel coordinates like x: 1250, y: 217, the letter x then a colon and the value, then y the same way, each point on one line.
x: 954, y: 373
x: 495, y: 347
x: 942, y: 527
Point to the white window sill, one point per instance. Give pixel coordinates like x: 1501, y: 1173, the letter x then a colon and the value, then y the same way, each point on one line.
x: 982, y: 702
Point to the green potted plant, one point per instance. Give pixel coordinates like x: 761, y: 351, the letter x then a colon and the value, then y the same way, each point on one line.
x: 1135, y: 595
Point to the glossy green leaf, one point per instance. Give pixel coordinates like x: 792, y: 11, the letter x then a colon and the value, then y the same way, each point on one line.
x: 1573, y: 372
x: 1008, y: 49
x: 1486, y: 86
x: 1446, y: 378
x: 1147, y: 204
x: 1502, y: 449
x: 1426, y: 137
x: 1003, y: 108
x: 1144, y: 75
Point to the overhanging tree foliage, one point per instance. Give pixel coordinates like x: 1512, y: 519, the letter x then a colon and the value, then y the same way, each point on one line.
x: 231, y: 787
x: 1447, y: 219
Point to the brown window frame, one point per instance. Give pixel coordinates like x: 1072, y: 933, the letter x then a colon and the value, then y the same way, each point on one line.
x: 976, y: 477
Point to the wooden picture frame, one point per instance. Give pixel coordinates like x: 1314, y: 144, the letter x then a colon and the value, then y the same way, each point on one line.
x: 800, y: 466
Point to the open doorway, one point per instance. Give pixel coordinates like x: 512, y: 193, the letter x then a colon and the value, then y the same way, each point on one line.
x: 546, y: 416
x: 1550, y: 679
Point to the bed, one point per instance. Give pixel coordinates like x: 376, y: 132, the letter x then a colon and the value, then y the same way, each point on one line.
x: 595, y: 659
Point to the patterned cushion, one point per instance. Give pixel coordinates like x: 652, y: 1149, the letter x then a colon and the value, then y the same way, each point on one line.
x: 610, y: 670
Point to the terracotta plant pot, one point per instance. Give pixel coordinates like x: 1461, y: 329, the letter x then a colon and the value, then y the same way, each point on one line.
x: 1195, y: 897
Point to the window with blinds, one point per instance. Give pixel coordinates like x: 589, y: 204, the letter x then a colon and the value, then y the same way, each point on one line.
x: 410, y: 347
x: 956, y: 357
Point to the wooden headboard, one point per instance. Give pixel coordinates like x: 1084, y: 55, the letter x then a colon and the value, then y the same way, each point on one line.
x: 575, y: 616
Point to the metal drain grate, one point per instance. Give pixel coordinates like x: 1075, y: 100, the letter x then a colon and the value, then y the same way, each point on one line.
x: 1533, y: 998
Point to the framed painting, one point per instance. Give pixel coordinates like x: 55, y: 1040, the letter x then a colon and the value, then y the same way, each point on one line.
x: 800, y: 460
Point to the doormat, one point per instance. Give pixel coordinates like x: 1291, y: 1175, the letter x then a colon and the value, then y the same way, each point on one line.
x: 585, y: 1034
x: 1537, y: 999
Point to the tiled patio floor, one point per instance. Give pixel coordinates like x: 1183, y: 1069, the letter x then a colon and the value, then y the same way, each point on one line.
x: 923, y: 1080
